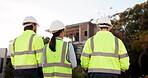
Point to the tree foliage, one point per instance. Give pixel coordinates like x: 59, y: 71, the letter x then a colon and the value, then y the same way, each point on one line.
x: 46, y: 40
x: 133, y: 22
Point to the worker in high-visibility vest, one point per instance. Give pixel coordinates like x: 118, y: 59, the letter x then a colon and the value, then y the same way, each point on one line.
x: 26, y: 55
x: 104, y: 55
x: 59, y: 56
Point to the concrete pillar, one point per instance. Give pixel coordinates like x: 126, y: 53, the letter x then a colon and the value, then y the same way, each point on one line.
x: 79, y: 33
x: 3, y: 54
x: 88, y: 31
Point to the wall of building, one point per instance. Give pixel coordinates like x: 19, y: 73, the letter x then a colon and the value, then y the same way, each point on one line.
x: 72, y: 31
x: 83, y: 29
x: 92, y: 29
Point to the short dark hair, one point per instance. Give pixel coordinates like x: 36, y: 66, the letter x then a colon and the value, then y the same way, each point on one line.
x: 104, y: 27
x: 30, y: 27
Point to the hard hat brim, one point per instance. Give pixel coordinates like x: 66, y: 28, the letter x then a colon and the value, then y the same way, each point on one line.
x: 53, y: 31
x: 32, y: 23
x: 104, y: 25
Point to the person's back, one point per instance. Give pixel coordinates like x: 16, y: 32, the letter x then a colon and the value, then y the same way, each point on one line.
x: 56, y: 57
x: 25, y: 44
x: 59, y: 57
x: 27, y: 52
x: 104, y: 55
x: 104, y: 45
x: 58, y: 64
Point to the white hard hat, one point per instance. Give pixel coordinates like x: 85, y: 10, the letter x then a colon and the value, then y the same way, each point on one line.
x: 104, y: 22
x: 29, y: 19
x: 56, y: 25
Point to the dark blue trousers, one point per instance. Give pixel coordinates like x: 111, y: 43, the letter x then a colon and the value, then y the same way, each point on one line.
x: 103, y: 75
x: 28, y: 73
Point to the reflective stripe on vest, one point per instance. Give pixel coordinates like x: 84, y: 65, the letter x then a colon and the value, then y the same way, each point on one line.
x: 57, y: 74
x: 115, y: 54
x: 25, y: 66
x: 104, y: 70
x: 62, y: 64
x: 57, y: 64
x: 26, y: 52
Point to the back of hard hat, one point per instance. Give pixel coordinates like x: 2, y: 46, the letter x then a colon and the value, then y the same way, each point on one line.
x: 56, y: 25
x: 29, y: 19
x: 104, y: 22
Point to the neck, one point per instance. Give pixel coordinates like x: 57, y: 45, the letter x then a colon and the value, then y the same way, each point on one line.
x: 60, y: 37
x: 104, y: 29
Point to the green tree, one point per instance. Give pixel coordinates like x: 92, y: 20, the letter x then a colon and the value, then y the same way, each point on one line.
x: 46, y: 40
x: 133, y: 22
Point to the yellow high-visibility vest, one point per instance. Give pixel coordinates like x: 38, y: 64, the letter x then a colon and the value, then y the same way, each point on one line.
x: 55, y: 64
x: 27, y: 51
x: 104, y: 53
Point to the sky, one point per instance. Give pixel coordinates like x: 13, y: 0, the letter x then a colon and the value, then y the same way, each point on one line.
x: 13, y: 12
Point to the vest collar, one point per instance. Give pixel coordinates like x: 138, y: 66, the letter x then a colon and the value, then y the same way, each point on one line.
x: 29, y: 31
x: 59, y: 38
